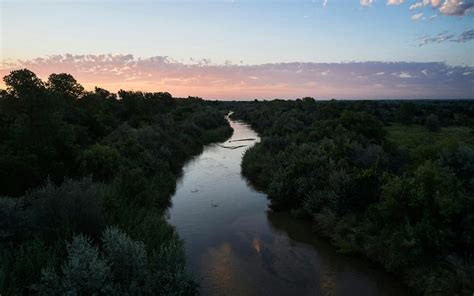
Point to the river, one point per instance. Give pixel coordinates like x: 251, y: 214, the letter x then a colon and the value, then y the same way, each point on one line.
x: 236, y: 246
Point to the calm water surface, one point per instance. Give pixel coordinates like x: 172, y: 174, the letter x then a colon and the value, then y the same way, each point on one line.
x: 236, y: 246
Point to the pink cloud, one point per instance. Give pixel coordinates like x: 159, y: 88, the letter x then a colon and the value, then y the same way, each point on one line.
x: 265, y: 81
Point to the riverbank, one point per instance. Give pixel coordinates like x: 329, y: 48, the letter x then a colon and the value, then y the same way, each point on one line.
x: 407, y: 208
x: 86, y: 185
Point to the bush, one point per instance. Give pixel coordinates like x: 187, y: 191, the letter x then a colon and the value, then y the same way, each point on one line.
x: 71, y: 208
x: 430, y: 207
x: 461, y: 161
x: 52, y: 211
x: 84, y: 272
x: 121, y: 268
x: 13, y: 218
x: 100, y: 161
x: 128, y: 262
x: 432, y: 123
x: 20, y: 266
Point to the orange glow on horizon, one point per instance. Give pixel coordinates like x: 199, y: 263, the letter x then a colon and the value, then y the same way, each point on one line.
x: 369, y: 80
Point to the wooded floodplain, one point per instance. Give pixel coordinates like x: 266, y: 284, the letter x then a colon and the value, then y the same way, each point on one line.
x: 392, y: 181
x: 86, y: 178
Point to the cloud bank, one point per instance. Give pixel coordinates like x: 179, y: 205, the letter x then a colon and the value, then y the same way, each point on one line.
x: 457, y: 8
x: 352, y: 80
x: 444, y: 37
x: 445, y: 7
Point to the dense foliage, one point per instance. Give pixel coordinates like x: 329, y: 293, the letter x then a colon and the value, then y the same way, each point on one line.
x: 391, y: 180
x: 86, y: 178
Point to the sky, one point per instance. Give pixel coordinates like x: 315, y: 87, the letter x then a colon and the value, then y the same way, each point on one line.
x: 343, y: 49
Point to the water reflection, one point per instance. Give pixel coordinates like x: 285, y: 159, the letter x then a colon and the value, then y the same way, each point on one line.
x: 257, y: 244
x: 235, y: 246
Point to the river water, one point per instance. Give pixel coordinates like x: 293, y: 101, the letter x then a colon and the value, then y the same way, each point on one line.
x: 236, y: 246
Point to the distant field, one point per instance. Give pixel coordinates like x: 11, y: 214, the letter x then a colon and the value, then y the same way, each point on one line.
x: 422, y: 143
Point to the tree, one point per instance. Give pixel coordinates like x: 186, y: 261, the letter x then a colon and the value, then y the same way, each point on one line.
x: 101, y: 161
x: 65, y: 85
x: 407, y: 112
x: 38, y: 142
x: 29, y: 95
x: 23, y: 83
x: 363, y: 123
x: 432, y: 123
x: 308, y: 101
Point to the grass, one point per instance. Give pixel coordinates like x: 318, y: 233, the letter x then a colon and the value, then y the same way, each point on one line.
x: 423, y: 144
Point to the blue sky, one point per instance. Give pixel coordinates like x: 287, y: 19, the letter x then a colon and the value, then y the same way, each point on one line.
x: 248, y: 31
x: 242, y: 32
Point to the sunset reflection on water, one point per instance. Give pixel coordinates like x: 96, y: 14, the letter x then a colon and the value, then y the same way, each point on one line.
x: 236, y: 246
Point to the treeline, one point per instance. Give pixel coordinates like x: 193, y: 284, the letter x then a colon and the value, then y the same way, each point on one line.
x: 86, y: 178
x: 337, y: 163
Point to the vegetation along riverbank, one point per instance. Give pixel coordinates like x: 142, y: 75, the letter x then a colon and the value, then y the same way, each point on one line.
x: 389, y: 180
x: 86, y: 178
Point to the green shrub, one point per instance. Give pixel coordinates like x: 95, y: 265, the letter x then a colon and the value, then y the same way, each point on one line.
x: 52, y: 211
x: 100, y: 161
x: 13, y: 218
x: 127, y: 260
x: 73, y: 207
x: 122, y: 267
x: 432, y: 123
x: 20, y: 266
x: 85, y: 272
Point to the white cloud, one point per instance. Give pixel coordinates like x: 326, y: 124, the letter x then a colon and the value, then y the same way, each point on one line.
x: 432, y: 2
x: 417, y: 17
x: 445, y: 7
x: 457, y: 7
x: 366, y: 2
x: 403, y: 75
x: 416, y: 5
x: 395, y: 2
